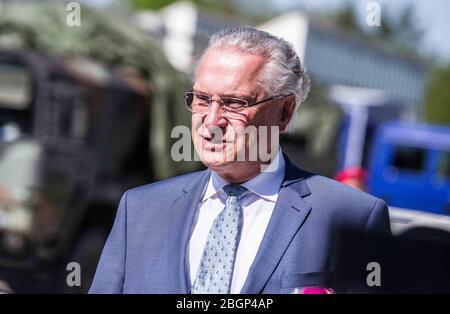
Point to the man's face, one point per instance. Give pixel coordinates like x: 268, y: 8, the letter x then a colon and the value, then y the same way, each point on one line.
x: 229, y: 72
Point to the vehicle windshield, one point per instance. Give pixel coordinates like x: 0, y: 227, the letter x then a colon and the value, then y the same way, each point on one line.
x: 15, y: 86
x: 15, y: 99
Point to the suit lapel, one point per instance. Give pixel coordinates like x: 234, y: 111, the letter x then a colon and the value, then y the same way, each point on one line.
x: 288, y: 216
x: 184, y: 210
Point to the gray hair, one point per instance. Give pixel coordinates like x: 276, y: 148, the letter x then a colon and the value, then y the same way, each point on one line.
x: 283, y: 72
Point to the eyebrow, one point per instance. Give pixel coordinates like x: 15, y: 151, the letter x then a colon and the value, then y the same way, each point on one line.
x: 240, y: 96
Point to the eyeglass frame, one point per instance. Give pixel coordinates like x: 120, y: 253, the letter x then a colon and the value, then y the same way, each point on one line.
x: 222, y: 104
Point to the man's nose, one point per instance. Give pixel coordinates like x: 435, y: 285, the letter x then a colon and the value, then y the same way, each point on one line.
x: 215, y: 116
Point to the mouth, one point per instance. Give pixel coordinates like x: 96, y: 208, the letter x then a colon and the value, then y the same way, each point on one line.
x: 213, y: 143
x: 213, y: 140
x: 213, y: 137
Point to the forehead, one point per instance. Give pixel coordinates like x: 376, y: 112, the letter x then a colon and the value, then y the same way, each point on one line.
x: 229, y: 71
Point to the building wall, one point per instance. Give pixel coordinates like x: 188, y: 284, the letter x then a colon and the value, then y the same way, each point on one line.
x: 337, y: 59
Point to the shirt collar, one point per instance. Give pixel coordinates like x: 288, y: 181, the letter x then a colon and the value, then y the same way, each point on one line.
x: 266, y: 184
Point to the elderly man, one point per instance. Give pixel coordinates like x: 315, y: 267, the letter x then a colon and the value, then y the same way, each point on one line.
x: 244, y: 225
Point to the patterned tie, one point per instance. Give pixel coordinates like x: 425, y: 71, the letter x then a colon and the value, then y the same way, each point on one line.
x: 216, y: 267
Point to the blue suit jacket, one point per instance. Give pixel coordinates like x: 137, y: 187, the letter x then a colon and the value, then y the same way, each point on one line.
x: 147, y: 251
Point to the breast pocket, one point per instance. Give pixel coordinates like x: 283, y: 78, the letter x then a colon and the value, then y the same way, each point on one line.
x: 311, y: 279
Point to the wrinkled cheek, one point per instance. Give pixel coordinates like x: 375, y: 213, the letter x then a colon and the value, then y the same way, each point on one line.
x: 240, y: 147
x: 245, y: 146
x: 229, y: 153
x: 198, y: 145
x: 196, y: 130
x: 196, y: 123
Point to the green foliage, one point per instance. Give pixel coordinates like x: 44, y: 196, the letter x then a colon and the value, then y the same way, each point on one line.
x: 224, y: 6
x: 398, y: 33
x: 150, y: 4
x: 346, y: 19
x: 437, y: 108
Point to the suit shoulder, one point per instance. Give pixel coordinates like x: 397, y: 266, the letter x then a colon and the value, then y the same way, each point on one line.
x: 166, y: 185
x: 347, y: 207
x: 332, y: 191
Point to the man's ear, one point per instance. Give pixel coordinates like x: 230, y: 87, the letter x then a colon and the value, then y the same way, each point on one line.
x: 287, y: 112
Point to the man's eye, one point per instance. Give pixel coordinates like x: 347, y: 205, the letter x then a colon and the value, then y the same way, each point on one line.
x: 202, y: 98
x: 234, y: 103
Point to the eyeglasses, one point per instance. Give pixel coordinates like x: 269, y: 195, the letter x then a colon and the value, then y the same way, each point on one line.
x: 200, y: 102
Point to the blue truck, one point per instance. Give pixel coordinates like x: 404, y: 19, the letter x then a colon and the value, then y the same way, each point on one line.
x: 407, y: 163
x: 409, y: 166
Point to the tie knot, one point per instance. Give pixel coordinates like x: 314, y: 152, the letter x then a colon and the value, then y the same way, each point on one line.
x: 234, y: 190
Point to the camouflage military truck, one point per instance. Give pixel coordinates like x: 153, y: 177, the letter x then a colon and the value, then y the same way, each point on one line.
x: 73, y: 138
x: 75, y: 134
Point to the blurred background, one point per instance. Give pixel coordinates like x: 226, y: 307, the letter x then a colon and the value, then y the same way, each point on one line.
x: 90, y: 92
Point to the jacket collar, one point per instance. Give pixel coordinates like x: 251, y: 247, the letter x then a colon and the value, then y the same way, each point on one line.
x: 289, y: 213
x: 266, y: 184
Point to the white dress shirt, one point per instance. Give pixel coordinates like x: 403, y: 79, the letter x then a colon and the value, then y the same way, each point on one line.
x: 257, y: 206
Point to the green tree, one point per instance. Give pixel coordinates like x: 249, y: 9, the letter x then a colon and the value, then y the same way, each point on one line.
x: 226, y: 6
x: 437, y: 108
x: 346, y: 18
x: 150, y: 4
x: 398, y: 32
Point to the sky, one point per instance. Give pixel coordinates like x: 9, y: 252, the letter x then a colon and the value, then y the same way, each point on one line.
x: 432, y: 16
